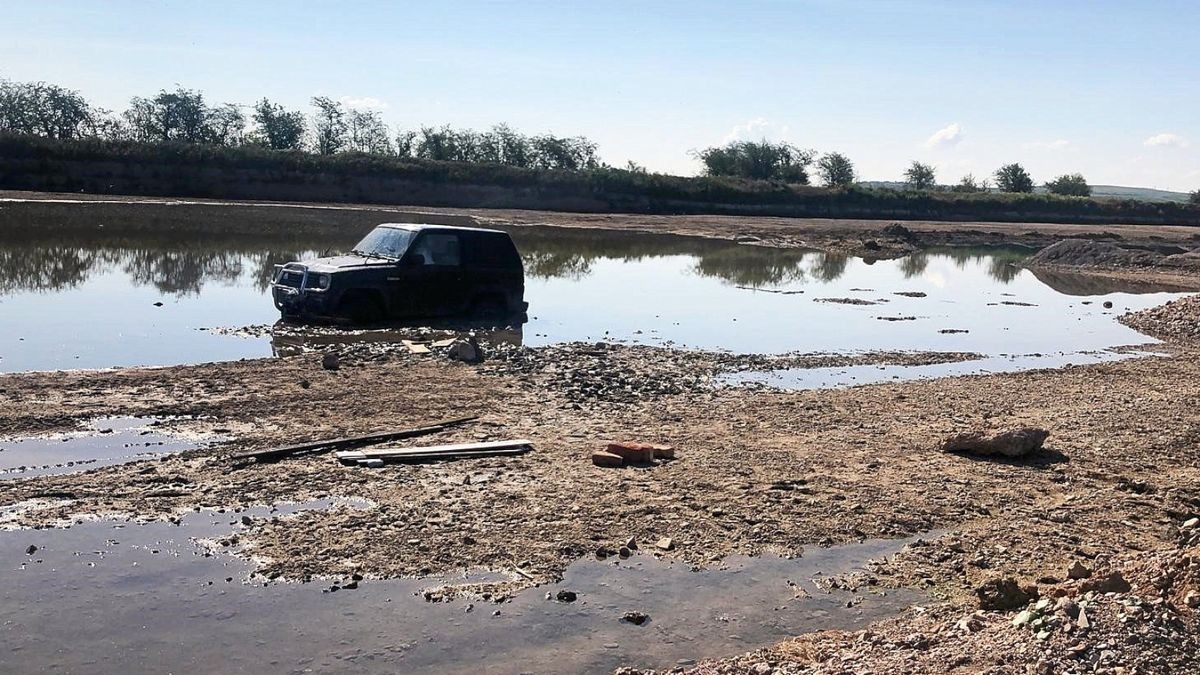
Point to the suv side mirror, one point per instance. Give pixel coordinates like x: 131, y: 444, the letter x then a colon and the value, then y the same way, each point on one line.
x: 414, y: 260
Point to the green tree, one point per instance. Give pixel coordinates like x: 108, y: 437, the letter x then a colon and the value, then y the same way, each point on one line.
x: 366, y: 132
x: 1070, y: 185
x: 836, y: 170
x: 762, y: 160
x: 179, y: 115
x: 329, y: 126
x: 1013, y: 178
x: 225, y: 125
x: 1195, y: 198
x: 920, y: 176
x: 277, y: 128
x: 44, y: 110
x: 968, y: 185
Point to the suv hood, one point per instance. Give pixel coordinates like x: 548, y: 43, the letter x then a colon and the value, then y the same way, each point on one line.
x: 339, y: 263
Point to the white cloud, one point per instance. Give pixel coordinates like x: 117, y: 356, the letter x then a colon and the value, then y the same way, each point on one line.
x: 756, y: 129
x: 1166, y: 140
x: 1059, y: 144
x: 362, y: 103
x: 945, y: 137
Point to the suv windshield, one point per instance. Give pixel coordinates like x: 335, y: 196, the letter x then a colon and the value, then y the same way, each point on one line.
x: 384, y: 242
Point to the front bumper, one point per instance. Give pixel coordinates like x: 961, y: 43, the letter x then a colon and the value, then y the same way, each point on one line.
x: 291, y: 301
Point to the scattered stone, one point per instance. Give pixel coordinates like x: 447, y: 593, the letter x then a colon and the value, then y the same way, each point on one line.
x: 1004, y: 594
x: 665, y: 544
x: 1078, y: 570
x: 1108, y: 304
x: 911, y: 294
x: 846, y: 301
x: 331, y: 361
x: 953, y: 331
x: 246, y: 520
x: 1012, y: 443
x: 31, y: 550
x: 158, y: 304
x: 1112, y: 582
x: 1190, y: 523
x: 566, y: 596
x: 465, y: 351
x: 636, y: 618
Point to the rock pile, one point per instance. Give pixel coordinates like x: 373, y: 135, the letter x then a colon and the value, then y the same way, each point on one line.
x: 1175, y: 321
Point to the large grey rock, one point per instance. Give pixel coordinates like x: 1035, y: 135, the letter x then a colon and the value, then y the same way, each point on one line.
x: 1011, y: 443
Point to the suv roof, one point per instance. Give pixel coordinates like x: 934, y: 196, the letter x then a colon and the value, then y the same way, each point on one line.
x: 417, y: 227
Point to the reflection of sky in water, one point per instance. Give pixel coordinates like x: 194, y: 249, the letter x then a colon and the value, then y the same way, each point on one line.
x: 582, y: 286
x: 667, y: 301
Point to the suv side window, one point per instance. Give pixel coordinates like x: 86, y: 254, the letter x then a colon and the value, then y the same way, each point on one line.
x: 438, y: 249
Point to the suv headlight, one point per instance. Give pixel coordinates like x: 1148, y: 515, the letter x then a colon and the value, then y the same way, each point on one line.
x: 319, y: 281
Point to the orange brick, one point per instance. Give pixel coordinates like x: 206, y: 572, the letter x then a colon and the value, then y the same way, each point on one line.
x: 607, y: 459
x: 634, y: 453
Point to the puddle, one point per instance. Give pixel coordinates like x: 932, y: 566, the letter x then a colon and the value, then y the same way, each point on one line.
x: 829, y: 378
x: 111, y: 440
x: 156, y: 297
x: 105, y: 596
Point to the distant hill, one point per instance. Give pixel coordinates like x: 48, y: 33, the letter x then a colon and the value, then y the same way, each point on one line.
x: 1144, y: 194
x: 1110, y: 191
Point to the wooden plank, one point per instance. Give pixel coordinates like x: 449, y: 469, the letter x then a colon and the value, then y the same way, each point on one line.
x: 437, y: 457
x: 316, y: 447
x: 457, y: 450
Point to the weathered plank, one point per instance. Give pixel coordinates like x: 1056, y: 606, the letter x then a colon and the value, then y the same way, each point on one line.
x: 454, y: 451
x: 316, y: 447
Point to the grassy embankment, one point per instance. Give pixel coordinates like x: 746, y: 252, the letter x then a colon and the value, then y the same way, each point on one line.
x: 188, y: 170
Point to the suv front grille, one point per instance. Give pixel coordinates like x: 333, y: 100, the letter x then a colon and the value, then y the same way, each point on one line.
x: 293, y: 279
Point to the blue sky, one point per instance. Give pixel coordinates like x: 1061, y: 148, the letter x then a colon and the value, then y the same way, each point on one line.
x: 1110, y: 89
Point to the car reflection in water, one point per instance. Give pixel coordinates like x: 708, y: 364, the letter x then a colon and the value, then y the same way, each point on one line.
x: 290, y: 338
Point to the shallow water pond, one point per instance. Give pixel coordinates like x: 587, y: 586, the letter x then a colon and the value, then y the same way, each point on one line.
x: 105, y: 596
x: 130, y: 294
x: 108, y: 441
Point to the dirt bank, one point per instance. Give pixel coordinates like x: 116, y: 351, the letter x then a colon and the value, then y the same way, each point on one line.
x: 867, y: 238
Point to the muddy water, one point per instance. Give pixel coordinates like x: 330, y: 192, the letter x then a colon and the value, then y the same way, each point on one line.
x: 106, y: 596
x: 110, y: 440
x: 131, y: 294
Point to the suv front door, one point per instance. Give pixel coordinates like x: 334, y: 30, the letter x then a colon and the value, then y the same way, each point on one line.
x: 432, y: 279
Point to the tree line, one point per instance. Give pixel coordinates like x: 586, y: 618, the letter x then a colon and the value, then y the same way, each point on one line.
x: 779, y: 161
x: 332, y: 128
x: 185, y: 116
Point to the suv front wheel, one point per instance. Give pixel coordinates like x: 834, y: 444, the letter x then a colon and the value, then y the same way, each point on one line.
x: 360, y: 308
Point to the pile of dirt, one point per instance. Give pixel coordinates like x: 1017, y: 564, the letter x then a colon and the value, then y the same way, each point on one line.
x: 1176, y: 321
x: 1087, y: 253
